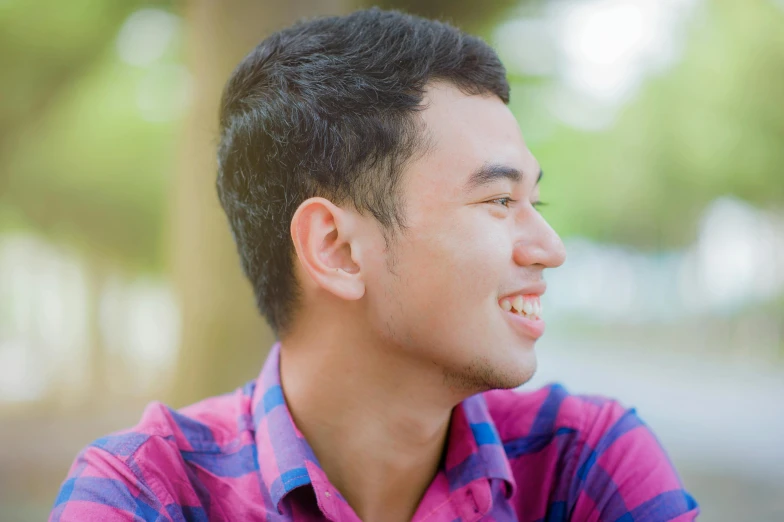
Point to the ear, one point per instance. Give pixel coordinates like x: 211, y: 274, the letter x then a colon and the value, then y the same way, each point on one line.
x: 322, y: 234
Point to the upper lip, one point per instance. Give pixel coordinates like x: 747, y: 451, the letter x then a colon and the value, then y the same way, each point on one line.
x: 533, y: 289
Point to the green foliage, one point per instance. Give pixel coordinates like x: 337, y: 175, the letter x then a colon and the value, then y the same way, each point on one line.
x: 470, y: 15
x: 713, y: 125
x: 79, y: 162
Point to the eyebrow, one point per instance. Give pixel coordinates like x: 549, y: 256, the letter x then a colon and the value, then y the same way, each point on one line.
x: 492, y: 172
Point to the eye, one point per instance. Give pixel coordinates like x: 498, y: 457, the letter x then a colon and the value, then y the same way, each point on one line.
x: 503, y: 201
x: 538, y: 204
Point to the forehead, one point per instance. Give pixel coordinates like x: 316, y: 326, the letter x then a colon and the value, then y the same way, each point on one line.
x: 464, y: 133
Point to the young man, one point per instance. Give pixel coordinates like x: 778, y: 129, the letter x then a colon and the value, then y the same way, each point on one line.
x: 384, y: 206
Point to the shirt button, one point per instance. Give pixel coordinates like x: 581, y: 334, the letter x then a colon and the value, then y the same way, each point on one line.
x: 326, y: 494
x: 470, y: 498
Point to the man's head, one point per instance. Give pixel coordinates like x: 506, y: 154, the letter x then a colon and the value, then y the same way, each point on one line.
x: 372, y: 173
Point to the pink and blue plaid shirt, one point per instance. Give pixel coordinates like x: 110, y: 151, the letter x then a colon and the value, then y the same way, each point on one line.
x: 511, y: 456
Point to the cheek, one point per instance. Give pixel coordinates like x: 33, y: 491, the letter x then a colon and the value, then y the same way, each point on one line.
x: 440, y: 298
x: 461, y: 263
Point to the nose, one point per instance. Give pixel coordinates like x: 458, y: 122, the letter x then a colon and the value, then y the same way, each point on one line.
x: 537, y: 243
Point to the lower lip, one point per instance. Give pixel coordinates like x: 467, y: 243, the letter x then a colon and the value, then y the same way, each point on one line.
x: 533, y: 328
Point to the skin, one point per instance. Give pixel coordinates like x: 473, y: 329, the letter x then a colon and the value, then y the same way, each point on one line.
x: 389, y: 340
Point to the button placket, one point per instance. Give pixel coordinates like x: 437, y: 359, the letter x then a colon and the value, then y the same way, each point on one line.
x: 326, y: 501
x: 470, y: 511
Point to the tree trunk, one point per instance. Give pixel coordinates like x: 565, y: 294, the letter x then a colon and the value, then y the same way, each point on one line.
x: 224, y: 339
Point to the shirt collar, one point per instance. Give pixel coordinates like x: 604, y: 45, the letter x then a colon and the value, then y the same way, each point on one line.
x: 283, y: 453
x: 286, y: 460
x: 474, y: 449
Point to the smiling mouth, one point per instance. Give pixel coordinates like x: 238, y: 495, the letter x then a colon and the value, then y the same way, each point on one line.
x: 528, y: 306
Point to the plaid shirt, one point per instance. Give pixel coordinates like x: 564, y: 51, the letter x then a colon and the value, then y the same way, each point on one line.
x: 511, y: 456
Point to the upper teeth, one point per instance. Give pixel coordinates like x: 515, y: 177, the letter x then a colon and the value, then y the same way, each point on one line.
x: 529, y: 306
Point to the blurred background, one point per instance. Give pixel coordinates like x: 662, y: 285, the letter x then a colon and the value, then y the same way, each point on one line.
x: 660, y: 126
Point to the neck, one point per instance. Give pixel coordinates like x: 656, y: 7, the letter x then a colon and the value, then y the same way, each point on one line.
x: 376, y: 420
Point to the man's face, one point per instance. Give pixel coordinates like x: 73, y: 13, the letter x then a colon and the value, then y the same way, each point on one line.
x: 437, y: 294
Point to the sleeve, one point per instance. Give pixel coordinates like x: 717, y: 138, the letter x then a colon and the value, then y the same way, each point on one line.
x: 101, y: 487
x: 623, y: 473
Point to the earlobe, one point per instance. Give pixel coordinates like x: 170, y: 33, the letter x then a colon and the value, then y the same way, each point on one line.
x: 322, y: 236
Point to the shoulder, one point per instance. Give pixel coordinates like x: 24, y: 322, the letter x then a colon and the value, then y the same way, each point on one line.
x: 588, y: 428
x: 211, y: 425
x: 143, y: 470
x: 612, y: 465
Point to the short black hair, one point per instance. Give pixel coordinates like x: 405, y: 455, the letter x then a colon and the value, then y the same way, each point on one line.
x: 326, y: 108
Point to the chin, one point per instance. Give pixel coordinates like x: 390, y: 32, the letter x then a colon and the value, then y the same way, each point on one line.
x: 484, y: 374
x: 515, y: 379
x: 513, y: 368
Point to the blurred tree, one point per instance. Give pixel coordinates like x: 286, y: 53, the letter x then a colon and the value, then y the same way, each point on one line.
x: 66, y: 170
x: 711, y: 126
x: 224, y: 339
x: 48, y: 49
x: 66, y: 167
x: 468, y: 14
